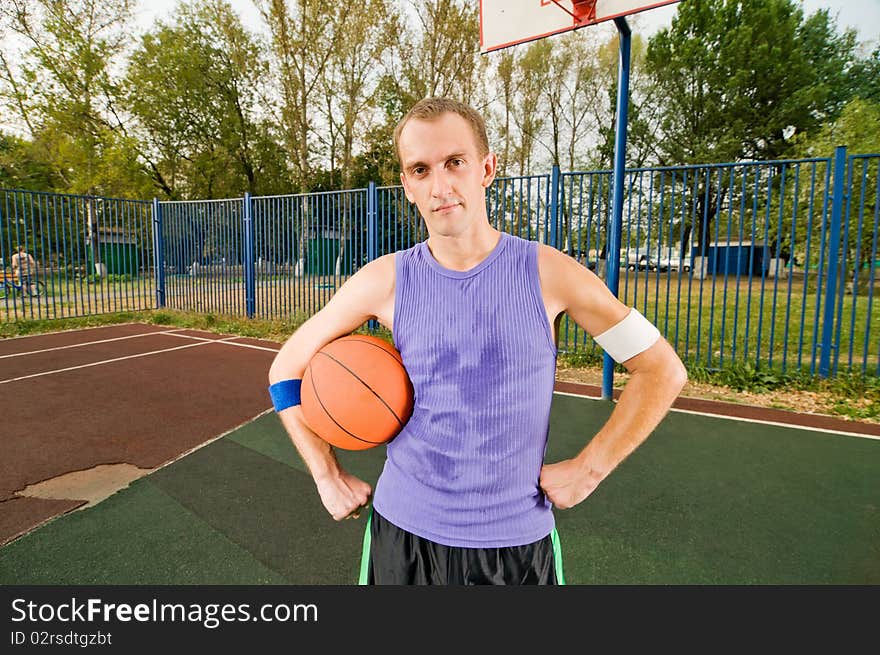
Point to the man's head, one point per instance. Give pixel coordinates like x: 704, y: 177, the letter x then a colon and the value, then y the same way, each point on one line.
x: 446, y: 165
x: 21, y: 248
x: 430, y: 109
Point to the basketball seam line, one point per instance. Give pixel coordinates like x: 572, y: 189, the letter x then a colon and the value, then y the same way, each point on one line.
x: 330, y: 416
x: 353, y: 337
x: 356, y: 377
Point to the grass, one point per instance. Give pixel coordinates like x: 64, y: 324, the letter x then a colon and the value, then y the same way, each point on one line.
x: 705, y: 325
x: 848, y: 394
x: 717, y: 322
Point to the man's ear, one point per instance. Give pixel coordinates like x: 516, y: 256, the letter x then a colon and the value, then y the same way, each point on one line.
x: 490, y: 167
x: 406, y: 190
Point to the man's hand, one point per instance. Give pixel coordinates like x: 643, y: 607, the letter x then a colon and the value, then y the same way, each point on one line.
x: 568, y: 482
x: 343, y: 495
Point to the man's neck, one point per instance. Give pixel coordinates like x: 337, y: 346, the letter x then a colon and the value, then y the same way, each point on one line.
x: 463, y: 252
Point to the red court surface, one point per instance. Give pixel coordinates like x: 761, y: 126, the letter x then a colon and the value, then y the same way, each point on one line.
x: 134, y: 394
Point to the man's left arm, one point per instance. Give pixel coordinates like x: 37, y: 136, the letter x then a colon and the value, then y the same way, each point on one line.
x: 657, y: 378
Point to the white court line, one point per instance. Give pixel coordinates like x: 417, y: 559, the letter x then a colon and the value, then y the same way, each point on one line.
x: 248, y: 345
x: 227, y: 342
x: 88, y: 343
x: 793, y: 426
x: 110, y: 361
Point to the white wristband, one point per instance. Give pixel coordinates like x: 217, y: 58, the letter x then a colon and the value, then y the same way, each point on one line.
x: 632, y: 335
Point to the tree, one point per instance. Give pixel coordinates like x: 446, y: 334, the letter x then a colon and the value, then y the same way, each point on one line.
x: 640, y: 139
x: 64, y: 92
x: 865, y: 77
x: 441, y: 57
x: 304, y: 34
x: 857, y: 127
x: 195, y: 89
x: 504, y: 74
x: 352, y: 77
x: 529, y: 110
x: 735, y: 78
x: 20, y: 168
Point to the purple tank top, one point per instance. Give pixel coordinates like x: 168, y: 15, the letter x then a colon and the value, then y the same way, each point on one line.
x: 479, y: 351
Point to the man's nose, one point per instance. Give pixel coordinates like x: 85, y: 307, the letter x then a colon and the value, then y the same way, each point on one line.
x: 441, y: 186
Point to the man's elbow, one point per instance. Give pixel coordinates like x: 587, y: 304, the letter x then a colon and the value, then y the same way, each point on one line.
x: 275, y: 374
x: 284, y: 365
x: 678, y: 375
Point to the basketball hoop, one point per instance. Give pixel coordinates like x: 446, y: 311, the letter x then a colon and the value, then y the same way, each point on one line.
x: 583, y: 11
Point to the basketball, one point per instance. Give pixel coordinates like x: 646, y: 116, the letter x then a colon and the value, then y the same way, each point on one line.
x: 356, y: 393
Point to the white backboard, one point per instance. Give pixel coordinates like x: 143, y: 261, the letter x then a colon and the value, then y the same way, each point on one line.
x: 504, y: 23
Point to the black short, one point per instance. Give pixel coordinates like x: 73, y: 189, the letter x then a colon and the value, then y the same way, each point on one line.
x: 393, y: 556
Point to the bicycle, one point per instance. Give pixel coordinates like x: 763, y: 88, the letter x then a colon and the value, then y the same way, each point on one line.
x: 26, y: 287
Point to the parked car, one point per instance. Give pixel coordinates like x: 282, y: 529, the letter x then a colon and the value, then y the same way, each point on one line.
x: 672, y: 262
x: 641, y: 261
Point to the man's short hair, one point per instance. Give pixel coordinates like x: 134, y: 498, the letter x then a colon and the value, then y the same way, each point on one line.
x: 430, y: 109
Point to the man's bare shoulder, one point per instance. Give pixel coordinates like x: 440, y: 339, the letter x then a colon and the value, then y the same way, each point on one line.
x: 375, y: 277
x: 381, y: 268
x: 570, y: 286
x: 559, y: 270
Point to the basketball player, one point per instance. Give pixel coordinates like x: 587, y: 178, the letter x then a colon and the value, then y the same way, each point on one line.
x: 465, y: 496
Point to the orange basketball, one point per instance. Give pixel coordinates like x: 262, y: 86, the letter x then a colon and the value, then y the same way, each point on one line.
x: 356, y: 393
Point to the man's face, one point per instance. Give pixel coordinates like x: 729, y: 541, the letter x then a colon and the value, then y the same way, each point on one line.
x: 444, y: 174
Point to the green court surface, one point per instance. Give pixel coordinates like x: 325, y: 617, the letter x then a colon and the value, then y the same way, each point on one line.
x: 703, y: 501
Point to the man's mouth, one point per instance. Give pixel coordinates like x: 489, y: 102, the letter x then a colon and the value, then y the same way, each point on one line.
x: 446, y: 207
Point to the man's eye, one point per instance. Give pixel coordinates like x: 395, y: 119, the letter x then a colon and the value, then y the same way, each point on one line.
x: 418, y: 170
x: 456, y: 162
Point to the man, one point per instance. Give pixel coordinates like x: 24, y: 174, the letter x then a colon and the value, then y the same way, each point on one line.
x: 23, y: 265
x: 464, y: 497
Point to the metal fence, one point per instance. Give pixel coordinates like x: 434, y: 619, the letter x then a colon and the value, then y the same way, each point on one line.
x: 90, y: 255
x: 771, y: 263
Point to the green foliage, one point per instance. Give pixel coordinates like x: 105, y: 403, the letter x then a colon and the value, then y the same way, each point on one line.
x: 199, y: 107
x: 582, y: 358
x: 195, y: 88
x: 747, y: 377
x: 857, y: 127
x: 21, y: 167
x: 62, y: 89
x: 853, y: 394
x: 109, y: 278
x: 735, y: 76
x: 865, y: 77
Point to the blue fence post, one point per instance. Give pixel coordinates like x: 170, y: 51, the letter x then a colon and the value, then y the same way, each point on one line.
x: 372, y: 233
x: 837, y: 198
x: 612, y: 256
x: 158, y: 253
x: 553, y: 237
x: 249, y: 277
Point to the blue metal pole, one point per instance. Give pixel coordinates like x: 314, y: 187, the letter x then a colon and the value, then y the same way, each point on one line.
x: 249, y: 277
x: 612, y: 256
x: 833, y: 255
x: 553, y: 237
x: 158, y: 253
x: 372, y: 234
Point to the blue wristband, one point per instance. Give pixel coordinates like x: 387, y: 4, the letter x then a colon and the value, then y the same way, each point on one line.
x: 285, y: 394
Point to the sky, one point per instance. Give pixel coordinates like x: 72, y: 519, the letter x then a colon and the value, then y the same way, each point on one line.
x: 863, y: 15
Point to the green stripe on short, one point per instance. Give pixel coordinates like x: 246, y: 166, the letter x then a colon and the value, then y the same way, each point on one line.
x: 557, y: 556
x: 365, y: 552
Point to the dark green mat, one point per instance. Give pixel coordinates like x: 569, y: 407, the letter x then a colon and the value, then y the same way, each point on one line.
x: 703, y: 501
x: 714, y: 501
x: 137, y: 536
x: 268, y: 508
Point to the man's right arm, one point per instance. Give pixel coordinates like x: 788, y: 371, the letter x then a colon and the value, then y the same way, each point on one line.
x: 366, y: 295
